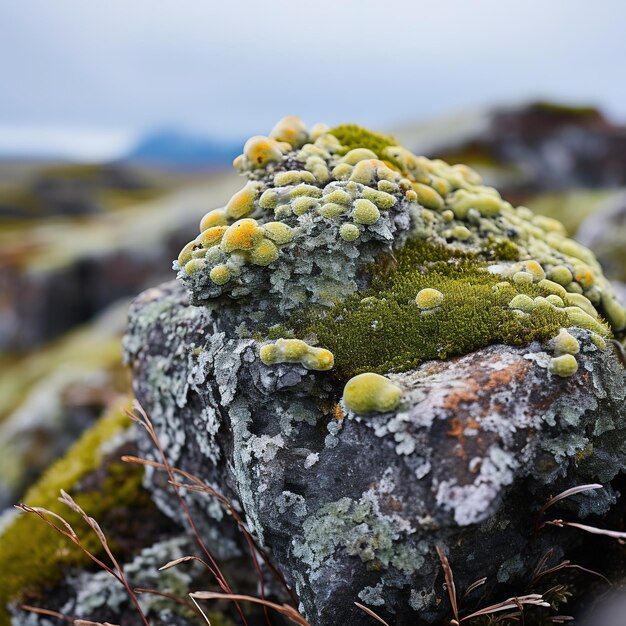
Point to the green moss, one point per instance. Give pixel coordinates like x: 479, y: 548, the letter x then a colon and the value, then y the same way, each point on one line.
x: 33, y: 557
x: 85, y: 349
x: 504, y: 250
x: 565, y: 110
x: 352, y: 136
x: 382, y: 330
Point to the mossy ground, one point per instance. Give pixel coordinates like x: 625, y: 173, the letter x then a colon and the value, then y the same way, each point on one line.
x: 382, y: 330
x: 82, y: 350
x: 33, y: 557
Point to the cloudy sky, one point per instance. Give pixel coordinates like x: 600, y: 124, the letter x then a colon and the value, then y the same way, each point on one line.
x: 91, y: 74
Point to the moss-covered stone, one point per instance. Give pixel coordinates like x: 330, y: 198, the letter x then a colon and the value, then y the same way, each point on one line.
x: 33, y: 557
x: 371, y: 225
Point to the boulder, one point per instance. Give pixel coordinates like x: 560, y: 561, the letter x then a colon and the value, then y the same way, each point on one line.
x: 353, y: 507
x: 376, y: 357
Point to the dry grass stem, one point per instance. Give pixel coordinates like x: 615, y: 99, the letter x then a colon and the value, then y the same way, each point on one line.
x: 284, y: 609
x: 371, y: 613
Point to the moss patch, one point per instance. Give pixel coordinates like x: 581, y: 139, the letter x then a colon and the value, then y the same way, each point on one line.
x: 352, y: 136
x: 382, y: 329
x: 33, y: 557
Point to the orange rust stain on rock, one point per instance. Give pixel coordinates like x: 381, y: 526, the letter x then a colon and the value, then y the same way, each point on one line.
x: 457, y: 430
x: 502, y: 377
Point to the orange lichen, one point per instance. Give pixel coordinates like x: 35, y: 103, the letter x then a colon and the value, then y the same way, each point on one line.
x: 212, y: 236
x: 338, y: 412
x: 242, y: 235
x: 457, y: 430
x: 216, y: 217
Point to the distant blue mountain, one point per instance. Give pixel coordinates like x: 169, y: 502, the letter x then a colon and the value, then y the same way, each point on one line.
x: 175, y: 148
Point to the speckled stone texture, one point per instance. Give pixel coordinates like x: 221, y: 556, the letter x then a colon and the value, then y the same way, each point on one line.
x: 352, y: 508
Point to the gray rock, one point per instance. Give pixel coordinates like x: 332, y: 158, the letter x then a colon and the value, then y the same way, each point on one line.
x: 352, y: 508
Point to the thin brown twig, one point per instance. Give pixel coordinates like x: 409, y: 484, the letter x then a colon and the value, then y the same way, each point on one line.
x: 183, y: 560
x: 200, y: 486
x: 371, y: 613
x: 204, y: 615
x: 567, y: 565
x: 68, y: 532
x: 40, y: 611
x: 41, y: 513
x: 614, y: 534
x: 533, y: 599
x: 567, y: 494
x: 472, y: 587
x: 165, y: 594
x: 449, y: 577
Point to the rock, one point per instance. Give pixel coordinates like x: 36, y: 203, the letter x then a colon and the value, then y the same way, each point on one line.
x: 56, y: 274
x: 501, y: 393
x: 352, y: 510
x: 51, y: 396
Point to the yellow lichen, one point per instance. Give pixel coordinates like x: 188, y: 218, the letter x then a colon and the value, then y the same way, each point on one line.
x: 211, y: 236
x: 428, y: 299
x: 371, y: 393
x: 220, y: 274
x: 349, y: 232
x: 565, y: 365
x: 565, y: 343
x: 365, y: 212
x: 278, y: 232
x: 296, y: 351
x: 259, y: 151
x: 216, y: 217
x: 290, y: 129
x: 242, y: 203
x: 264, y: 253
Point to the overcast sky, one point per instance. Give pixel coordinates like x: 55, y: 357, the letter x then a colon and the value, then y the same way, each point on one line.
x: 99, y: 71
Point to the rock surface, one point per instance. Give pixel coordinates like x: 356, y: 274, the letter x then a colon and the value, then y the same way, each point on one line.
x: 56, y: 274
x: 353, y: 508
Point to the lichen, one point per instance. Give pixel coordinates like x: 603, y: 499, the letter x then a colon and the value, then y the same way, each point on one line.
x: 371, y: 393
x: 296, y: 351
x: 337, y: 230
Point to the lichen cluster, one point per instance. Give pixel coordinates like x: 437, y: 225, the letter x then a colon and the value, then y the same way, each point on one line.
x: 349, y: 241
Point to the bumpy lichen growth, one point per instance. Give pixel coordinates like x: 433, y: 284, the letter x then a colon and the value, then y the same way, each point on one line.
x: 337, y: 230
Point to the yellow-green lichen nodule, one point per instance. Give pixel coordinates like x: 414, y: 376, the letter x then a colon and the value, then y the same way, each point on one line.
x: 296, y: 351
x: 371, y: 393
x: 428, y: 299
